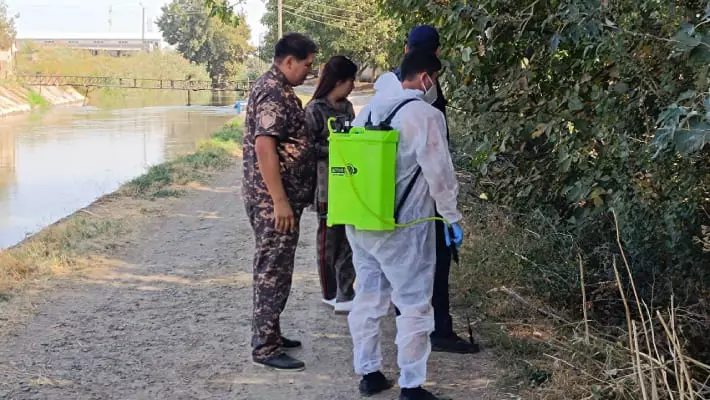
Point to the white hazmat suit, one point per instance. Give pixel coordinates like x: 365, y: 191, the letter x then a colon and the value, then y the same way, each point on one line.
x: 399, y: 265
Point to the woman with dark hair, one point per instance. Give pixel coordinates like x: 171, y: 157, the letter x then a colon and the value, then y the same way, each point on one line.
x: 335, y: 263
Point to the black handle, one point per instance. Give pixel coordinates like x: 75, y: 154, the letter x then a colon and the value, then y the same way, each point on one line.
x: 452, y: 247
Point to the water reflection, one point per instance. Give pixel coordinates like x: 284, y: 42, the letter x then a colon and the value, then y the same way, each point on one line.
x: 56, y: 163
x: 7, y: 170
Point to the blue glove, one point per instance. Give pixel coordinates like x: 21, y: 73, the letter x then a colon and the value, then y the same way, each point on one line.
x: 453, y: 233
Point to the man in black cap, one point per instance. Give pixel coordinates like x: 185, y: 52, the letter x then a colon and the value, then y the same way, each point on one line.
x: 443, y: 339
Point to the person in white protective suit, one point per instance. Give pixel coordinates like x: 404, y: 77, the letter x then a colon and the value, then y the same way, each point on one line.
x: 398, y: 266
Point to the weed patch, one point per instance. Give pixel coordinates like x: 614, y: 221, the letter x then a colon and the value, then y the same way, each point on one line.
x: 55, y: 249
x: 36, y: 100
x: 518, y: 275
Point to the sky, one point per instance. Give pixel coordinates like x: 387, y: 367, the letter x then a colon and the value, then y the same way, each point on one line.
x: 61, y: 16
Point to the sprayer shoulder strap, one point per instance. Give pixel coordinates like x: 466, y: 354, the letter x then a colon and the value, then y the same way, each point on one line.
x: 407, y: 190
x: 387, y: 124
x: 387, y: 121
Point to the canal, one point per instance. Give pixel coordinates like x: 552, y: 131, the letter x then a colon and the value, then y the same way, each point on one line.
x: 55, y: 162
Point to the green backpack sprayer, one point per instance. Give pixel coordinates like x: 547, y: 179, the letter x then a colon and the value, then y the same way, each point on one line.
x: 361, y: 176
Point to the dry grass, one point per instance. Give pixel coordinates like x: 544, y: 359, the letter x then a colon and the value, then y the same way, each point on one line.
x: 705, y: 239
x: 57, y: 249
x: 550, y: 354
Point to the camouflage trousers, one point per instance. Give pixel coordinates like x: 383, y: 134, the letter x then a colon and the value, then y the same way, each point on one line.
x: 273, y: 273
x: 335, y: 259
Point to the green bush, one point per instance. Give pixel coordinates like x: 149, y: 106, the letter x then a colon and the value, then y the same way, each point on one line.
x: 572, y: 108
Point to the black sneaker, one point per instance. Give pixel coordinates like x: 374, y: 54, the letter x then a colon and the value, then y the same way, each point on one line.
x: 454, y: 344
x: 374, y: 383
x: 281, y: 362
x: 418, y: 394
x: 289, y: 344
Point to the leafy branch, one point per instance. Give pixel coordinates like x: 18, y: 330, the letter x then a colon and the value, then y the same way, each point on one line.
x: 224, y: 11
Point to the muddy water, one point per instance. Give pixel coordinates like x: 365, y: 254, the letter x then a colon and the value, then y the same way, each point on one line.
x: 62, y: 160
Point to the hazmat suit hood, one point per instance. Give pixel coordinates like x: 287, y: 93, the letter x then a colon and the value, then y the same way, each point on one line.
x: 388, y: 94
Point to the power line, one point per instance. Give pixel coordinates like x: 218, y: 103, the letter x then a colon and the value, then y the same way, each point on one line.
x: 325, y: 14
x: 314, y: 3
x: 313, y: 20
x: 314, y: 17
x: 331, y: 13
x: 324, y: 17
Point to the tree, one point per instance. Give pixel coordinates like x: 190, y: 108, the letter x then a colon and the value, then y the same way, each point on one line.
x: 204, y: 38
x: 339, y: 27
x: 255, y: 67
x: 573, y: 108
x: 223, y: 11
x: 7, y: 27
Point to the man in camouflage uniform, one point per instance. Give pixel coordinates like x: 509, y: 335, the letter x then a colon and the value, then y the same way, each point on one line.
x: 279, y: 180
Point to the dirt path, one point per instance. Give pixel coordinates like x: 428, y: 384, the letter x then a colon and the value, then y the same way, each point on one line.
x: 167, y: 316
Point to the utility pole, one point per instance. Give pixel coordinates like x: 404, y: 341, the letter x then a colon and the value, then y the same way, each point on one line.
x: 143, y: 27
x: 281, y: 19
x: 110, y: 17
x: 261, y: 49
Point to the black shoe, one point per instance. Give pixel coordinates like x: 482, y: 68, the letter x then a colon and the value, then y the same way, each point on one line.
x: 289, y: 344
x: 417, y: 394
x: 281, y: 362
x: 374, y: 383
x: 454, y: 344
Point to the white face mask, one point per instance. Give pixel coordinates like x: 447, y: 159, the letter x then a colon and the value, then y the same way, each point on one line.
x: 430, y: 94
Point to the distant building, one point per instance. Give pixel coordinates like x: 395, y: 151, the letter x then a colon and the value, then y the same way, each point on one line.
x: 7, y: 57
x: 116, y: 44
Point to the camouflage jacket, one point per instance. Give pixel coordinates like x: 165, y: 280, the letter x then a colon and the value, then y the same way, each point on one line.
x: 317, y: 113
x: 275, y: 110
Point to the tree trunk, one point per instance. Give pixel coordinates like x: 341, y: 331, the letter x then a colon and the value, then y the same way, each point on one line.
x: 363, y: 68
